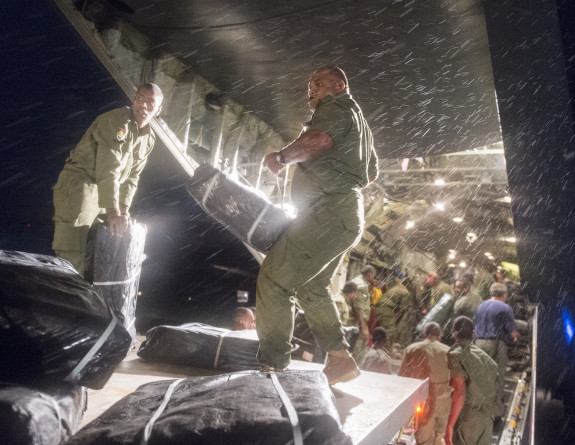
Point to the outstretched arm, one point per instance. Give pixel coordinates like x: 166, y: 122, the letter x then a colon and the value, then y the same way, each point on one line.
x: 309, y: 146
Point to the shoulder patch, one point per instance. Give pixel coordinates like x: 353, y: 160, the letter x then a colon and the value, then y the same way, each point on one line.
x: 121, y: 134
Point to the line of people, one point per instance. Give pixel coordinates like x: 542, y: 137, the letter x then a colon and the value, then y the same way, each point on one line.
x: 464, y: 357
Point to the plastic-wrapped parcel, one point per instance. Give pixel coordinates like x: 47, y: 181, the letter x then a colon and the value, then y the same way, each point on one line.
x: 54, y: 324
x: 115, y: 270
x: 249, y: 407
x: 43, y: 412
x: 244, y: 212
x: 439, y: 313
x: 202, y: 346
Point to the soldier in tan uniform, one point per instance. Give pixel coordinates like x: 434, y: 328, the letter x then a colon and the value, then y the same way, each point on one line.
x: 102, y: 173
x: 428, y: 359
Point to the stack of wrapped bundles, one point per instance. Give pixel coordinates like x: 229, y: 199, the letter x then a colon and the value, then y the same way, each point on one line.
x: 44, y: 412
x: 115, y: 270
x: 53, y: 324
x: 250, y: 407
x: 202, y: 346
x: 244, y: 212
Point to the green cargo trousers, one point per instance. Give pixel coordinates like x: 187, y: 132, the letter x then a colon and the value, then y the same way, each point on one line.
x: 75, y: 210
x: 473, y: 427
x: 497, y: 350
x: 300, y: 265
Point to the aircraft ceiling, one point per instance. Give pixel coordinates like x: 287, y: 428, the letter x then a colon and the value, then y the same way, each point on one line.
x: 421, y: 72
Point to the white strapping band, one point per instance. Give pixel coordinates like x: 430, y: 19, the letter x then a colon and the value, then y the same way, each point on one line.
x: 219, y: 348
x: 291, y: 412
x: 211, y: 185
x: 113, y: 283
x: 256, y: 222
x: 95, y: 348
x: 159, y: 411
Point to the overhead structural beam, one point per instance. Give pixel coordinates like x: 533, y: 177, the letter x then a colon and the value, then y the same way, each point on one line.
x: 185, y: 129
x: 88, y: 33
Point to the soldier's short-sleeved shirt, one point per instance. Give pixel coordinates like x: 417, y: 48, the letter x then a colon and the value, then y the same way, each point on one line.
x: 112, y: 154
x: 349, y: 166
x: 467, y: 305
x: 362, y: 301
x: 376, y: 360
x: 479, y: 372
x: 395, y: 299
x: 426, y: 358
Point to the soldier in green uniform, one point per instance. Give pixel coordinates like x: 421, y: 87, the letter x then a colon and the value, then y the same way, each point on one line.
x: 334, y: 160
x: 466, y: 299
x: 102, y: 173
x: 466, y: 303
x: 473, y: 378
x: 393, y: 312
x: 357, y: 296
x: 428, y: 359
x: 431, y: 291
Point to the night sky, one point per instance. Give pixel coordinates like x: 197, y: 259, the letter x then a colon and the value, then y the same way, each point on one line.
x: 53, y: 88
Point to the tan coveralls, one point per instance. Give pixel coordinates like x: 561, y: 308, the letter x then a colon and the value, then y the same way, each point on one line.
x: 101, y: 172
x: 428, y: 359
x: 327, y: 194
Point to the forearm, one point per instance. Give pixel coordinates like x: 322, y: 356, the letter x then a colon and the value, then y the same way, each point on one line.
x: 358, y: 313
x: 308, y: 146
x: 457, y: 401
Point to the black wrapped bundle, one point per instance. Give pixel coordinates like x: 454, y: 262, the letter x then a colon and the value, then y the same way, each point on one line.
x: 116, y: 270
x: 245, y: 213
x: 54, y: 324
x: 440, y: 313
x: 242, y: 408
x: 202, y: 346
x: 46, y: 413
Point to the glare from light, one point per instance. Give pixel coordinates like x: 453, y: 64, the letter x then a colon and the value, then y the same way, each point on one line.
x: 487, y: 253
x: 568, y: 325
x: 462, y: 264
x: 439, y: 206
x: 491, y: 257
x: 451, y: 265
x: 451, y: 256
x: 471, y: 237
x: 290, y: 210
x: 439, y: 181
x: 511, y: 239
x: 458, y: 219
x: 507, y: 198
x: 409, y: 224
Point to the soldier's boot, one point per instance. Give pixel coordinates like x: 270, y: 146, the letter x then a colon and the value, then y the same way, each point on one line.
x: 340, y: 367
